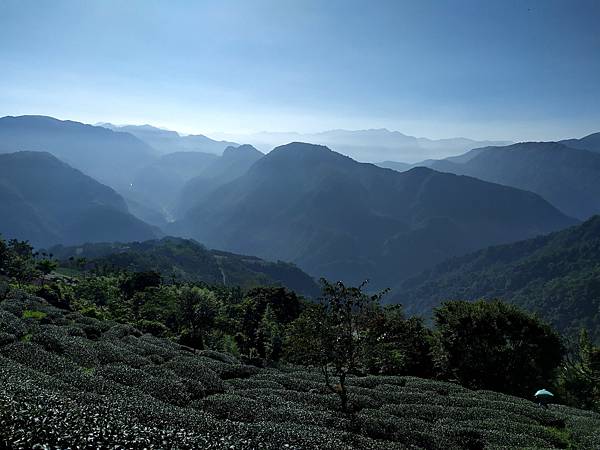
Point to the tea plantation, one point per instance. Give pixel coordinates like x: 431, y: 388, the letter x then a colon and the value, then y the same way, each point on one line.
x: 70, y: 381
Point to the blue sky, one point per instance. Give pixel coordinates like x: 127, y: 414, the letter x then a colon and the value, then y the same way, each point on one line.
x: 505, y: 69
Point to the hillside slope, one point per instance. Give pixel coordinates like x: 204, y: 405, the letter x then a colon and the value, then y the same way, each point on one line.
x: 49, y: 202
x: 187, y: 260
x: 342, y: 219
x: 70, y: 380
x: 566, y: 177
x: 556, y: 276
x: 108, y: 156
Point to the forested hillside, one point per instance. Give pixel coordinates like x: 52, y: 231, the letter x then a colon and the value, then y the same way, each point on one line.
x: 184, y: 260
x: 557, y: 276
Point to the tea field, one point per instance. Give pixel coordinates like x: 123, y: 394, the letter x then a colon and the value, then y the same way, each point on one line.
x: 70, y: 381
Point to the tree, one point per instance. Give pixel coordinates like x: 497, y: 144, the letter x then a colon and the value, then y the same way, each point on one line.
x: 138, y: 281
x: 57, y: 294
x: 46, y: 266
x: 333, y: 335
x: 399, y: 346
x: 270, y: 336
x: 99, y: 290
x: 19, y: 261
x: 4, y: 255
x: 198, y: 308
x: 496, y: 346
x: 579, y: 380
x: 284, y: 306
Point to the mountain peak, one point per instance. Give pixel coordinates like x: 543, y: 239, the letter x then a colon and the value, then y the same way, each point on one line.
x: 245, y: 149
x: 307, y: 151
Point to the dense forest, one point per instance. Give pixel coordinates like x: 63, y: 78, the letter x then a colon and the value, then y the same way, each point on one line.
x: 184, y: 260
x: 557, y: 276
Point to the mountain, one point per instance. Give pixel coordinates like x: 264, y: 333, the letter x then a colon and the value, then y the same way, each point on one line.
x: 566, y: 177
x: 166, y: 141
x: 590, y: 142
x: 48, y: 202
x: 189, y: 261
x: 159, y: 183
x: 460, y: 159
x: 395, y: 165
x: 234, y: 162
x: 170, y: 185
x: 106, y: 155
x: 556, y: 276
x: 371, y: 145
x: 338, y: 218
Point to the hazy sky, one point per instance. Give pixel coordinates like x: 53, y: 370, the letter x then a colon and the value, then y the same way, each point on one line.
x: 509, y: 69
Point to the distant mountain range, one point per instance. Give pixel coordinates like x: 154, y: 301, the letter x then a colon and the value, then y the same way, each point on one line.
x: 370, y: 145
x: 566, y: 177
x: 566, y: 173
x: 325, y: 212
x: 166, y: 141
x: 48, y: 202
x: 557, y: 276
x: 106, y: 155
x: 342, y: 219
x: 186, y: 260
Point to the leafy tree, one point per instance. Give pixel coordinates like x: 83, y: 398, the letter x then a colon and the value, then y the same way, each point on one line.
x: 19, y: 261
x: 138, y: 281
x: 4, y: 255
x: 57, y: 294
x: 46, y: 266
x: 157, y: 304
x: 334, y: 335
x: 579, y: 380
x: 270, y: 336
x: 496, y: 346
x: 399, y: 346
x: 284, y: 306
x: 99, y: 290
x: 199, y: 308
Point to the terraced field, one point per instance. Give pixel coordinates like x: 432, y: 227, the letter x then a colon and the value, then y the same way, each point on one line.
x: 72, y: 381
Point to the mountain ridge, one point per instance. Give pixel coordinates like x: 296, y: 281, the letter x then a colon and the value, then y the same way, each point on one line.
x: 307, y: 204
x: 568, y: 178
x: 169, y: 141
x: 106, y: 155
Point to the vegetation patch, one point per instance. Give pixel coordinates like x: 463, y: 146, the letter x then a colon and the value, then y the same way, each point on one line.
x: 29, y: 314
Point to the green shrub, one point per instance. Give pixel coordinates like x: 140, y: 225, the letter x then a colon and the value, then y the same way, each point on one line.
x: 29, y: 314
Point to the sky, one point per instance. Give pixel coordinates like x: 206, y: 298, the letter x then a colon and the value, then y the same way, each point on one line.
x: 504, y: 69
